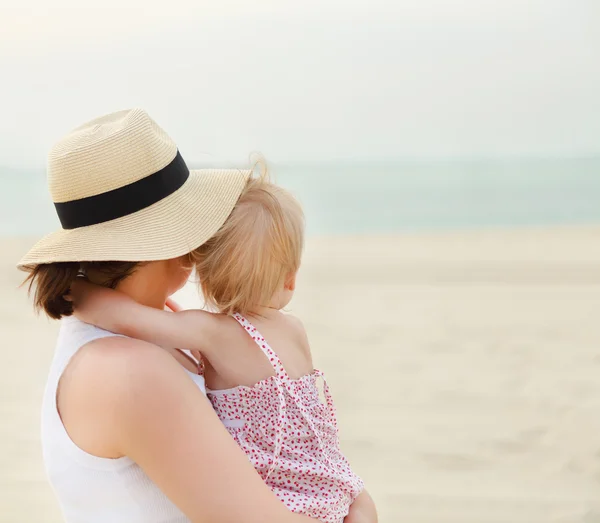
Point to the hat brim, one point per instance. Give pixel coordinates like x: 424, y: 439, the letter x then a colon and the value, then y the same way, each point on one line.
x: 167, y: 229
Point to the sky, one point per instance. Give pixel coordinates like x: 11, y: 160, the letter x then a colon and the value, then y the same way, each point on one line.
x: 318, y: 80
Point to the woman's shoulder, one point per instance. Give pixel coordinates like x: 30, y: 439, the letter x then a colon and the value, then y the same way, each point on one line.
x: 107, y: 372
x: 110, y: 382
x: 118, y: 362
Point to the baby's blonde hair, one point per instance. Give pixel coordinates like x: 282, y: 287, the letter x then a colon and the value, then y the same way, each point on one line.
x: 260, y: 244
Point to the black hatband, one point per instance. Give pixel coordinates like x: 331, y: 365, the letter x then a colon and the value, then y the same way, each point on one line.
x: 124, y: 200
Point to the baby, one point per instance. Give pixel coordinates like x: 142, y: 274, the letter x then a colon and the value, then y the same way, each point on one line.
x: 256, y: 359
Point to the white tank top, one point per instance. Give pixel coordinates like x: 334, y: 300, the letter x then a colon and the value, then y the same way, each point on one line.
x: 92, y: 489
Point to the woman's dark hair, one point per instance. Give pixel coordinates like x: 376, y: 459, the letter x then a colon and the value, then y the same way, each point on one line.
x: 53, y: 281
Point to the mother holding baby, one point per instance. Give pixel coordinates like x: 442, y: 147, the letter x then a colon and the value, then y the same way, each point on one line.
x: 128, y: 434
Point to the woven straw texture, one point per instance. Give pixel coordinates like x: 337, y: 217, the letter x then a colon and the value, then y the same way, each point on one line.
x: 116, y: 150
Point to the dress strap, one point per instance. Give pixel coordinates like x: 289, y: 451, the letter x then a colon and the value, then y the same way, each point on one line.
x: 264, y: 346
x: 328, y: 397
x: 285, y: 384
x: 282, y: 378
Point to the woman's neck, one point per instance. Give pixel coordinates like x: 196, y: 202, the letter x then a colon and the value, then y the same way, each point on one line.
x: 146, y: 291
x: 147, y: 285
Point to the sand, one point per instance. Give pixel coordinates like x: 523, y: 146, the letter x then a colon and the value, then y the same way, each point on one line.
x: 464, y: 366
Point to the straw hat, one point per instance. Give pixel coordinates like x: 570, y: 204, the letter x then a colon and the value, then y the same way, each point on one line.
x: 123, y: 193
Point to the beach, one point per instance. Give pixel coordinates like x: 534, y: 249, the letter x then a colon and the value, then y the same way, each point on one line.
x: 464, y: 366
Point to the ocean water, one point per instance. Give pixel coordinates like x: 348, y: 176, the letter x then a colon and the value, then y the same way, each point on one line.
x: 383, y: 198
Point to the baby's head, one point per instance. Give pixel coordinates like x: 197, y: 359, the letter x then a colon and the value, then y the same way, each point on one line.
x: 252, y: 261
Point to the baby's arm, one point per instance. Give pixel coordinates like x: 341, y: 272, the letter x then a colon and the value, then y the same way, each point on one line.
x: 116, y: 312
x: 362, y: 510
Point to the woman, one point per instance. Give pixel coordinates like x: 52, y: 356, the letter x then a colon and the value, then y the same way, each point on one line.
x: 127, y: 432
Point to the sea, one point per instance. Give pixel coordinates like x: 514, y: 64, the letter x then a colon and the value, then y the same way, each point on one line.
x: 347, y: 198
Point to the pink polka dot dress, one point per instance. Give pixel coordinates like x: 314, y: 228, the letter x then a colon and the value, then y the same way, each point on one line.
x: 290, y: 436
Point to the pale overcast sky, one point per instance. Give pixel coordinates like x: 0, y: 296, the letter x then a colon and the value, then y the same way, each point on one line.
x: 308, y: 80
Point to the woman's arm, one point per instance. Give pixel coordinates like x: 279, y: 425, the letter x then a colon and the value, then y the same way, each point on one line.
x: 141, y: 403
x: 116, y: 312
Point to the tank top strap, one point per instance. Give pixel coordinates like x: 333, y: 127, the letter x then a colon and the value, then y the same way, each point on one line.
x: 263, y: 345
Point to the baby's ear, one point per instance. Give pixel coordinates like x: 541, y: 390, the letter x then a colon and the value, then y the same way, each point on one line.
x: 290, y: 282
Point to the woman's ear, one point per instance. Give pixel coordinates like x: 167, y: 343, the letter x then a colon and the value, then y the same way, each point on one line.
x: 290, y: 282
